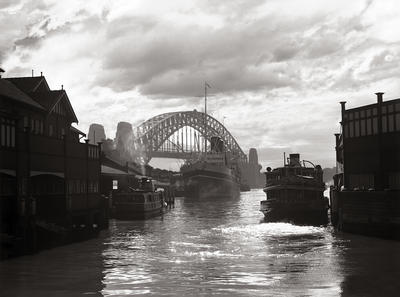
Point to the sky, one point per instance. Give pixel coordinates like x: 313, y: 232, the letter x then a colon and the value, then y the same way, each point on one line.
x: 277, y: 68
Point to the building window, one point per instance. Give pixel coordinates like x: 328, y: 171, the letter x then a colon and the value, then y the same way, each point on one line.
x: 375, y: 125
x: 391, y: 122
x: 369, y: 126
x: 357, y: 128
x: 7, y: 131
x: 398, y: 122
x: 351, y: 134
x: 363, y: 128
x: 384, y: 124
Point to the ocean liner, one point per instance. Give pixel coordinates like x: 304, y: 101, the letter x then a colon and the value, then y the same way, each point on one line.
x: 215, y: 174
x: 211, y: 176
x: 295, y: 193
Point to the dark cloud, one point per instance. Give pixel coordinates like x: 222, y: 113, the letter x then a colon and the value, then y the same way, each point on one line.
x: 8, y: 3
x: 162, y: 59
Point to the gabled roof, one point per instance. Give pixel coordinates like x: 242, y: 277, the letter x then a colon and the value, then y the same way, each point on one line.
x: 10, y: 91
x: 30, y: 84
x: 49, y: 100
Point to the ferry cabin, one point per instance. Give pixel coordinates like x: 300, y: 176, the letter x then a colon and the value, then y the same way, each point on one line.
x: 49, y: 177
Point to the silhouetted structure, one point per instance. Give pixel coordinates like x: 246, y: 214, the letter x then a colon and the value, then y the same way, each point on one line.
x: 250, y: 171
x: 365, y: 197
x: 96, y: 134
x: 49, y: 179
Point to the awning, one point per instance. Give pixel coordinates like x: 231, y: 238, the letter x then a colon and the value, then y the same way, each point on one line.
x: 59, y: 174
x: 8, y: 171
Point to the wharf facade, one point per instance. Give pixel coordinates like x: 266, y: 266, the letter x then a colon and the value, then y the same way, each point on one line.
x: 365, y: 197
x: 49, y: 177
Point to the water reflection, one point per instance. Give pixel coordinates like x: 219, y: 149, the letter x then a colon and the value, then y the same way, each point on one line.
x: 210, y: 248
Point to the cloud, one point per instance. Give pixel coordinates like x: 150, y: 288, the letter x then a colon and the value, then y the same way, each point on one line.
x: 277, y: 70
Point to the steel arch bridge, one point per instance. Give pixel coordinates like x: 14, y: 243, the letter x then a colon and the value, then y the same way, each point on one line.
x: 181, y: 135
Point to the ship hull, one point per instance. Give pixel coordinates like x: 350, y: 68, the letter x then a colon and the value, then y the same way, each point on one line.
x: 302, y: 205
x: 138, y: 206
x: 203, y: 183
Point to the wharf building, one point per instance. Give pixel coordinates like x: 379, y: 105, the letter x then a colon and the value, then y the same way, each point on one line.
x: 49, y: 176
x: 365, y: 197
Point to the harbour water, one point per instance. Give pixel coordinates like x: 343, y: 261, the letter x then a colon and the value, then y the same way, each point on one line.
x: 206, y: 248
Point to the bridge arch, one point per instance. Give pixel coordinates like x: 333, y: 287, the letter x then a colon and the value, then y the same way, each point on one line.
x: 153, y: 133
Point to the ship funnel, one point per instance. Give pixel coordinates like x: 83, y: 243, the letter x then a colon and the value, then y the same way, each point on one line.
x: 217, y: 144
x: 294, y: 160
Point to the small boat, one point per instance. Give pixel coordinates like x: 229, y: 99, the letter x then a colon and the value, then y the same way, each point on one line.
x: 140, y: 203
x: 295, y: 193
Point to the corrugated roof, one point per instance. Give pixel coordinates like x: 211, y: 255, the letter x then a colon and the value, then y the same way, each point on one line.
x: 27, y: 84
x: 10, y: 91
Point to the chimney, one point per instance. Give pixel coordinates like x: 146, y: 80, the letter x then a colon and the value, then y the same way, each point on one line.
x: 32, y: 72
x: 62, y: 87
x: 294, y: 160
x: 41, y: 73
x: 379, y: 96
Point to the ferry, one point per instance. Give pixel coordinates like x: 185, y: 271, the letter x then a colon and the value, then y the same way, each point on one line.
x: 295, y: 192
x: 139, y: 203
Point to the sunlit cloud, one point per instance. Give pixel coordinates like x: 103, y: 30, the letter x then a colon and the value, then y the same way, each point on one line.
x: 277, y: 68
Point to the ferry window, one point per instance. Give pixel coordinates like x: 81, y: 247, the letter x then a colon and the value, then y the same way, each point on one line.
x: 374, y: 111
x: 397, y: 106
x: 384, y: 109
x: 350, y: 116
x: 369, y: 126
x: 398, y: 122
x: 362, y: 113
x: 115, y: 184
x: 357, y: 128
x: 391, y: 123
x: 363, y: 129
x: 390, y: 108
x: 368, y: 112
x: 384, y: 123
x: 356, y: 115
x: 375, y: 125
